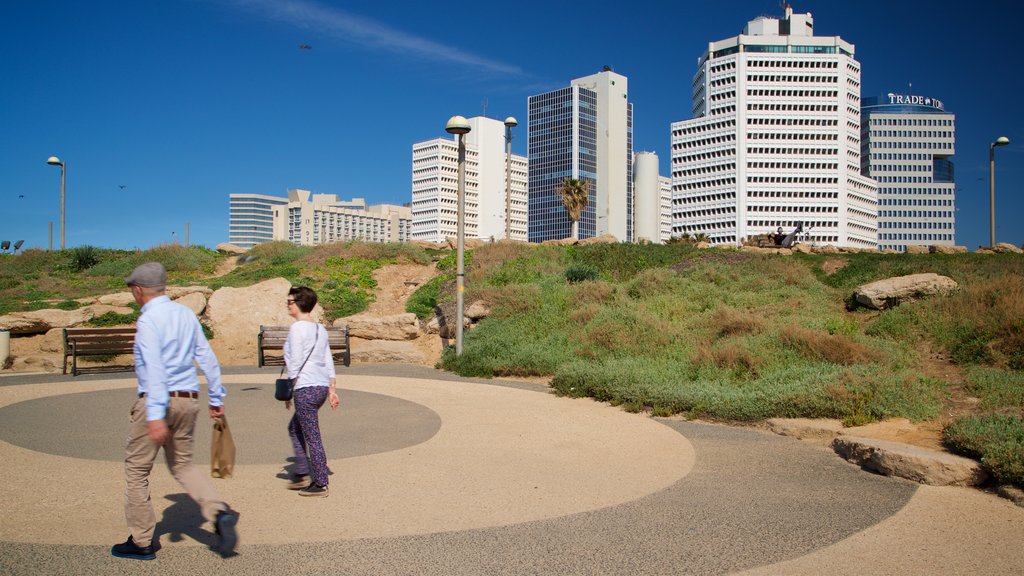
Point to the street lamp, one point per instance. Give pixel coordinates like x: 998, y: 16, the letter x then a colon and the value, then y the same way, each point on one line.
x: 54, y: 161
x: 459, y: 125
x: 510, y: 123
x: 1001, y: 141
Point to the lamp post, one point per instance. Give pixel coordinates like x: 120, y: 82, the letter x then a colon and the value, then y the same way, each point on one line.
x: 459, y: 125
x: 54, y: 161
x: 1001, y: 141
x: 510, y: 123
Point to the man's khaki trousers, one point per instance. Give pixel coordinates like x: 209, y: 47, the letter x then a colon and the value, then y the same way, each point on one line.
x: 140, y: 453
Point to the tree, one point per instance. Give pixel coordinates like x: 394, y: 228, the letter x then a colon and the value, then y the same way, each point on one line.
x: 574, y: 198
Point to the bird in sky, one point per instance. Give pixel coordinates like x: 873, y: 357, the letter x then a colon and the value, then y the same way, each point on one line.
x: 122, y: 186
x: 21, y: 195
x: 305, y: 47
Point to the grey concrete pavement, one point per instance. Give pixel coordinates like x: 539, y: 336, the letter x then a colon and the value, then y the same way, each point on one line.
x: 435, y: 474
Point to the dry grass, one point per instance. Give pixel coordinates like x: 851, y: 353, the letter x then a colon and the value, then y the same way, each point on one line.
x: 728, y: 321
x: 626, y: 332
x: 597, y: 292
x: 835, y: 349
x: 510, y: 300
x: 731, y: 357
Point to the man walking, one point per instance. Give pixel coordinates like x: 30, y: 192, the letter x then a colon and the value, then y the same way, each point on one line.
x: 168, y: 338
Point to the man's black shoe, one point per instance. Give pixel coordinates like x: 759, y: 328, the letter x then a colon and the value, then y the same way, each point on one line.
x: 132, y: 550
x: 227, y: 534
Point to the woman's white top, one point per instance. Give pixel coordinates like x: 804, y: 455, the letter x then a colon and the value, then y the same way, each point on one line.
x: 319, y: 368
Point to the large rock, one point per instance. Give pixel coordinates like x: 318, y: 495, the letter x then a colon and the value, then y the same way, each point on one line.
x: 917, y: 249
x: 892, y: 291
x: 370, y: 327
x: 385, y: 351
x: 477, y: 310
x: 561, y: 242
x: 602, y: 239
x: 235, y: 316
x: 911, y: 462
x: 1006, y: 248
x: 40, y: 321
x: 194, y: 301
x: 117, y: 299
x: 945, y: 249
x: 228, y: 248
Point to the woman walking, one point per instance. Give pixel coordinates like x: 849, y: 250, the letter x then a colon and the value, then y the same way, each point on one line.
x: 307, y: 356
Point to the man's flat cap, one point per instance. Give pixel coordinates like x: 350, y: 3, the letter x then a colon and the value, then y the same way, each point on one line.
x: 150, y: 275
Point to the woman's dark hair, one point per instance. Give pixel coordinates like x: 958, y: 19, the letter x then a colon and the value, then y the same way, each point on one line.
x: 305, y: 298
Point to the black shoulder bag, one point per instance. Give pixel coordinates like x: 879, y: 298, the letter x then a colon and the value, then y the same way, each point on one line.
x: 283, y: 387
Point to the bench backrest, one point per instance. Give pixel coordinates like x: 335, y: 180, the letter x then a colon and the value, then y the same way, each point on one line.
x: 98, y: 340
x: 276, y: 335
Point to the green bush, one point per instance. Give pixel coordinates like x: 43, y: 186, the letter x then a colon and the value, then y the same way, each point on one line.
x: 580, y: 273
x: 113, y: 319
x: 424, y: 300
x: 82, y: 258
x: 997, y: 441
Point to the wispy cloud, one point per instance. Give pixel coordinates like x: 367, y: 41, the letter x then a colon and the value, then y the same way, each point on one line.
x: 365, y: 32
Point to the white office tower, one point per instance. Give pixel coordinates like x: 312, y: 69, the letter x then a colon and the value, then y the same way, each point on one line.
x: 665, y: 186
x: 649, y: 210
x: 309, y: 219
x: 907, y: 141
x: 435, y: 173
x: 774, y: 139
x: 585, y: 132
x: 251, y: 218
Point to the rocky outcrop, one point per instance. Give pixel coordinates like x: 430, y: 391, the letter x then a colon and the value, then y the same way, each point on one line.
x: 40, y: 321
x: 194, y: 301
x: 228, y: 248
x: 917, y: 249
x: 943, y: 249
x: 235, y: 316
x: 602, y: 239
x: 478, y: 310
x: 893, y: 291
x: 385, y: 351
x: 806, y: 428
x: 369, y: 327
x: 1006, y: 248
x: 560, y: 242
x: 910, y: 462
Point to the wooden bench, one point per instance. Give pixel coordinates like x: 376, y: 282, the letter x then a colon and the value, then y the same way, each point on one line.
x: 96, y: 342
x: 273, y: 337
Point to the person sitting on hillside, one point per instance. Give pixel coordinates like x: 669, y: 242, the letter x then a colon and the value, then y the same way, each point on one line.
x: 779, y: 236
x: 786, y: 240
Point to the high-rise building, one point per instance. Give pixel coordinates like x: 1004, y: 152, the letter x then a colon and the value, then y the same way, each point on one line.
x: 251, y: 218
x: 585, y: 132
x: 435, y: 165
x: 906, y: 145
x: 652, y: 196
x: 307, y: 219
x: 774, y: 140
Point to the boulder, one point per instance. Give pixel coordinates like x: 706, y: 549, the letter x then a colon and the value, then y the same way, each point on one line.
x: 602, y: 239
x: 1006, y: 248
x: 429, y: 245
x: 801, y: 248
x: 944, y: 249
x: 52, y: 341
x: 477, y: 310
x: 911, y: 462
x: 892, y: 291
x: 235, y: 316
x: 385, y: 351
x: 194, y: 301
x: 175, y: 292
x: 40, y: 321
x: 917, y: 250
x: 561, y: 242
x: 469, y: 243
x: 228, y: 248
x: 117, y: 299
x: 370, y: 327
x: 445, y: 330
x: 826, y: 249
x: 34, y: 364
x: 702, y: 245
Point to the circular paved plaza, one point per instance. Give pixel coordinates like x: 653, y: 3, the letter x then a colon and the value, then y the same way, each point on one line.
x: 434, y: 474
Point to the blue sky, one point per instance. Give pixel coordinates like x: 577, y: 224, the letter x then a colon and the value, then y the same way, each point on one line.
x: 162, y: 109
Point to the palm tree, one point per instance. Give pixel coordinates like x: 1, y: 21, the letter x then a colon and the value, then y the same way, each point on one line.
x: 574, y: 198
